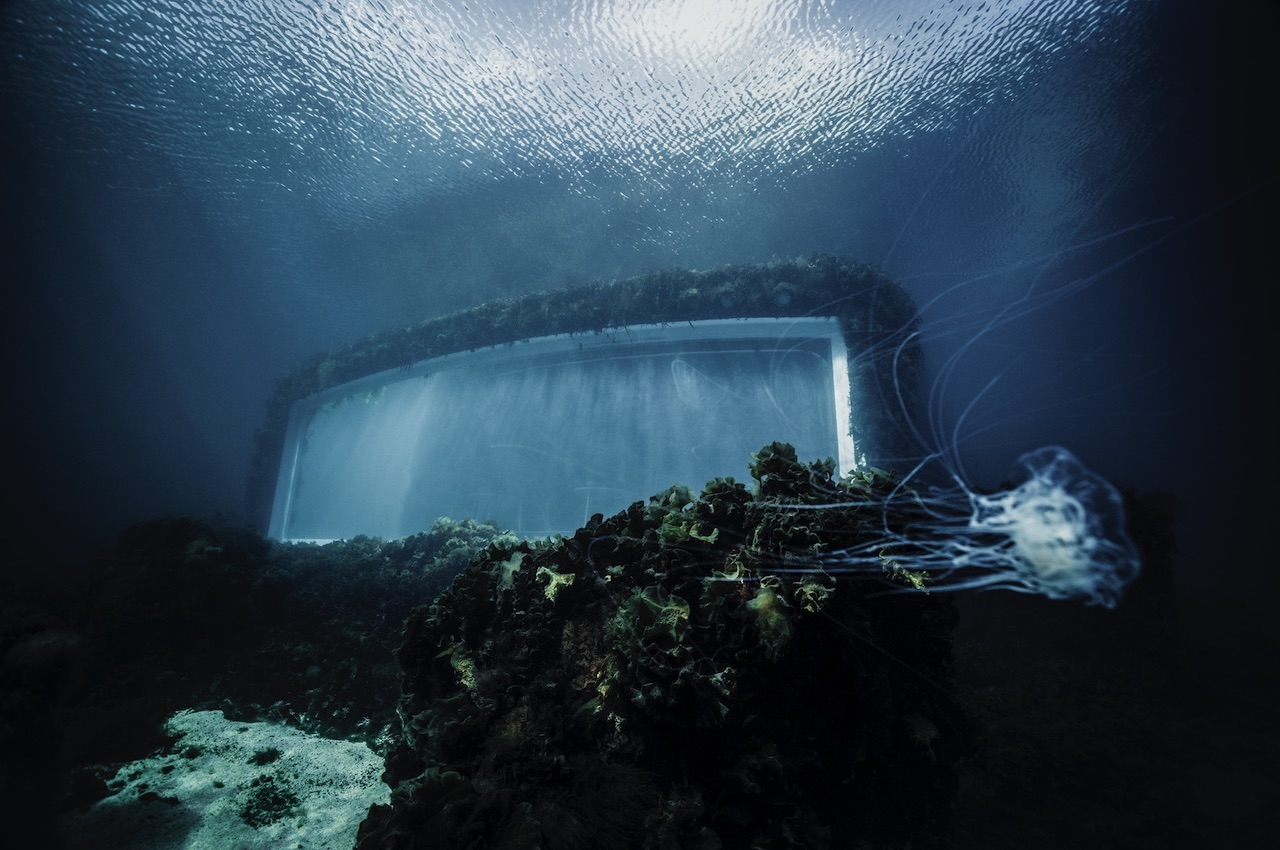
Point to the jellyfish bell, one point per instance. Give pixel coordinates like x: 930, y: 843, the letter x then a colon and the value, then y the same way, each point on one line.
x: 1060, y: 533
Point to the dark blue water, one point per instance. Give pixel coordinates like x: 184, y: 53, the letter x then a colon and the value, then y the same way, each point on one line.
x: 199, y: 195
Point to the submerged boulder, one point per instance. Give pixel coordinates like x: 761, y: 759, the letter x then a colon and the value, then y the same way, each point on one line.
x: 682, y: 674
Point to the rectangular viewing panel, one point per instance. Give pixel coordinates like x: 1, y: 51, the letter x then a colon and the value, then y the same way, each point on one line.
x: 539, y: 435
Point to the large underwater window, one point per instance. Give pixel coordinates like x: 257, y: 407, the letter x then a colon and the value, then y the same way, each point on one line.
x: 541, y: 434
x: 540, y: 410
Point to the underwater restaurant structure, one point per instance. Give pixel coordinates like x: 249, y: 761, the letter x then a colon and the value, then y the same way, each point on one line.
x: 539, y: 411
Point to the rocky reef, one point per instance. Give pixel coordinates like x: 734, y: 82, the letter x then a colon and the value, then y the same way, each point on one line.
x: 681, y: 675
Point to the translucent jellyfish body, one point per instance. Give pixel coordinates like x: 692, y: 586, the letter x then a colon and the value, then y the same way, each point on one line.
x: 1059, y: 533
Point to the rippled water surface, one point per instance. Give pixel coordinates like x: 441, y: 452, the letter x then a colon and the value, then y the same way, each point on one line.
x: 365, y: 107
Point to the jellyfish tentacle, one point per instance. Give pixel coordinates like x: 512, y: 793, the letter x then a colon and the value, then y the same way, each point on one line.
x: 1060, y: 534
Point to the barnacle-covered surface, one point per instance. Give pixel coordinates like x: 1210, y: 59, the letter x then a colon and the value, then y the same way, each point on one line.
x: 875, y: 313
x: 676, y: 676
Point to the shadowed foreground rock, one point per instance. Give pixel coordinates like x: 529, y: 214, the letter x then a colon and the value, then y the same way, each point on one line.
x: 674, y: 677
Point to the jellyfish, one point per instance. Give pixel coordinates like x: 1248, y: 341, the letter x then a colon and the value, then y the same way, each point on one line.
x: 1058, y: 530
x: 1058, y: 533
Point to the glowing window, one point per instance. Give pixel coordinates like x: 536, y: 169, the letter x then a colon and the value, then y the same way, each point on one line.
x: 541, y: 434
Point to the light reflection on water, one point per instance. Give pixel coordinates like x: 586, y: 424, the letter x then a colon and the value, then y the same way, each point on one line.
x: 365, y: 106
